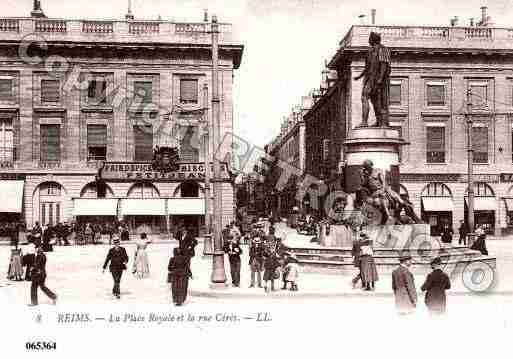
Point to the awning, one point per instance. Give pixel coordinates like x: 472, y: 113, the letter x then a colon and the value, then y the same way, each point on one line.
x: 484, y: 203
x: 11, y: 196
x: 509, y: 204
x: 177, y: 206
x: 437, y: 204
x: 143, y: 207
x: 95, y: 207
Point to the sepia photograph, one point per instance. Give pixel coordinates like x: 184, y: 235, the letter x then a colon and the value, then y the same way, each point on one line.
x: 248, y: 178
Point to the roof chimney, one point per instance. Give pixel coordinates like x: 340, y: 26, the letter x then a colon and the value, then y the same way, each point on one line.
x: 484, y: 16
x: 361, y: 19
x: 373, y: 16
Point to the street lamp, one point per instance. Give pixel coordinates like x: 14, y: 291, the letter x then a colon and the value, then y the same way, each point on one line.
x: 470, y: 164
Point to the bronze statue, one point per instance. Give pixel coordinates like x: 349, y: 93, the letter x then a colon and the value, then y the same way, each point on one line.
x: 374, y: 192
x: 376, y: 82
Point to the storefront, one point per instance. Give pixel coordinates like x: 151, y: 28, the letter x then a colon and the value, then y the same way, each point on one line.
x: 11, y: 204
x: 437, y: 207
x: 102, y: 211
x: 485, y: 207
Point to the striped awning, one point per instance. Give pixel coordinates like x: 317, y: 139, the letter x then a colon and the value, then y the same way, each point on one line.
x: 184, y: 206
x: 484, y: 203
x: 95, y: 207
x: 437, y: 204
x: 143, y: 207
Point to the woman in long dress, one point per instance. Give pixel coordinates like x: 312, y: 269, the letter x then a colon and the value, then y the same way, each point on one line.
x: 15, y: 271
x: 368, y: 268
x: 178, y: 276
x: 141, y: 268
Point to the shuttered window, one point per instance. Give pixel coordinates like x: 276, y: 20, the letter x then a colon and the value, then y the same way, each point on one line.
x: 50, y: 143
x: 143, y: 91
x: 143, y: 137
x: 480, y: 144
x: 50, y: 91
x: 6, y: 89
x: 189, y: 144
x: 96, y: 142
x: 188, y: 91
x: 6, y: 140
x: 435, y: 94
x: 435, y: 137
x: 395, y: 94
x: 97, y: 91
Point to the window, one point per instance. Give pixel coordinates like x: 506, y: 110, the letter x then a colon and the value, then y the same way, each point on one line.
x: 97, y: 92
x: 325, y: 149
x: 50, y: 91
x: 480, y: 144
x: 144, y: 91
x: 435, y: 137
x: 479, y: 94
x: 189, y: 144
x: 50, y: 189
x: 6, y: 140
x: 395, y: 93
x: 188, y: 91
x: 143, y: 137
x: 435, y: 93
x: 96, y: 142
x: 50, y: 143
x: 6, y: 89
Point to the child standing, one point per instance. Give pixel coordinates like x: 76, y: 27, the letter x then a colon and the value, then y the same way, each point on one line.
x: 291, y: 273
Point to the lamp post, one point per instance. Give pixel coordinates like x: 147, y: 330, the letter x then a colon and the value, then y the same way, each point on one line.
x: 218, y: 277
x: 207, y: 241
x: 470, y: 164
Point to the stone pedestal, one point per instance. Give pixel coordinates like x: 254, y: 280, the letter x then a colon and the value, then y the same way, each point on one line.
x: 401, y: 237
x: 378, y: 144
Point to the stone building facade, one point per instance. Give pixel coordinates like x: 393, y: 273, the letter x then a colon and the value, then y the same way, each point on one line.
x: 433, y: 70
x: 122, y: 88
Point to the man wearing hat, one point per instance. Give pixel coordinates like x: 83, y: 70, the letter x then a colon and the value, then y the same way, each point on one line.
x: 38, y: 277
x: 256, y: 260
x: 403, y: 286
x: 437, y: 282
x: 118, y: 259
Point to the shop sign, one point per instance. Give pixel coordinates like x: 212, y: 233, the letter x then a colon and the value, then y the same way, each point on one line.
x: 12, y: 176
x: 450, y: 177
x: 137, y: 171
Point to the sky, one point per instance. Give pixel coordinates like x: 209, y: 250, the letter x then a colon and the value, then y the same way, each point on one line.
x: 286, y: 41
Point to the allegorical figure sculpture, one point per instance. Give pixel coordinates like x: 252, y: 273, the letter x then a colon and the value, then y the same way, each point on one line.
x: 376, y: 193
x: 376, y: 82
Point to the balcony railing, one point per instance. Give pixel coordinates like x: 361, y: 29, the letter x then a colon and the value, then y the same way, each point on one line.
x: 432, y: 37
x: 126, y: 32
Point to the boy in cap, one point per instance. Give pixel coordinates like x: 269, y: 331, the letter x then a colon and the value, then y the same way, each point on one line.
x: 118, y: 259
x: 403, y: 286
x: 437, y: 282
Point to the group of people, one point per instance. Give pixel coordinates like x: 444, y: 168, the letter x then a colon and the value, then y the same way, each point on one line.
x: 479, y: 244
x: 267, y: 256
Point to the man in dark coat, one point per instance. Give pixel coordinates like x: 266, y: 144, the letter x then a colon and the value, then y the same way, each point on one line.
x: 178, y: 276
x: 118, y: 259
x: 38, y: 277
x: 403, y: 286
x: 463, y: 231
x: 187, y: 246
x: 447, y: 233
x: 437, y: 282
x: 256, y: 261
x: 234, y: 251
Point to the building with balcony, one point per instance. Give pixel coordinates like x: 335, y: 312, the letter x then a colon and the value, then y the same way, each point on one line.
x: 78, y: 93
x: 433, y: 68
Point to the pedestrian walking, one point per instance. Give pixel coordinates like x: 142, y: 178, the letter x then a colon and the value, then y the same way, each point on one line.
x: 368, y: 270
x: 256, y: 261
x: 463, y: 232
x: 178, y: 276
x: 15, y: 271
x: 118, y: 259
x: 38, y: 277
x: 447, y: 233
x: 291, y: 273
x: 271, y: 264
x: 403, y: 286
x: 355, y: 253
x: 437, y: 282
x: 232, y: 248
x: 141, y: 266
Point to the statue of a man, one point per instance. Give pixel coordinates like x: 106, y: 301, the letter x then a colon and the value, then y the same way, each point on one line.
x: 376, y: 82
